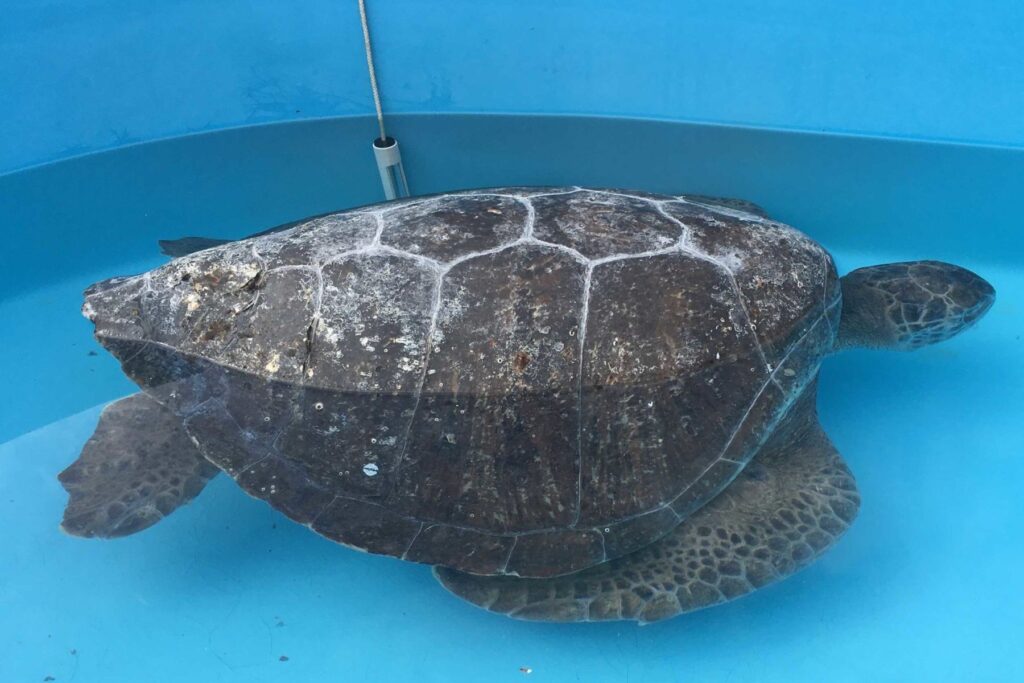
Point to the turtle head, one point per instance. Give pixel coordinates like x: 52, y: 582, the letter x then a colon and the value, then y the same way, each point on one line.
x: 905, y: 306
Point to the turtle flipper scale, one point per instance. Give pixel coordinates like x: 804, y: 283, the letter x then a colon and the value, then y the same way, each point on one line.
x: 790, y: 504
x: 137, y: 467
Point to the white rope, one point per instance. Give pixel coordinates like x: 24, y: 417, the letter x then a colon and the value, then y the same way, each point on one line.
x: 369, y: 66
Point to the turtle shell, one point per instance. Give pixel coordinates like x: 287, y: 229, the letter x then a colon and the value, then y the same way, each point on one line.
x: 511, y: 381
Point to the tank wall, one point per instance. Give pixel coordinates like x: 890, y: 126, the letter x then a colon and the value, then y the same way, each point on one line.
x: 79, y: 77
x: 93, y: 213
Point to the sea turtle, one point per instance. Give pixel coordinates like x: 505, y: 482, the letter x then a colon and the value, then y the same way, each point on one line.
x: 577, y: 404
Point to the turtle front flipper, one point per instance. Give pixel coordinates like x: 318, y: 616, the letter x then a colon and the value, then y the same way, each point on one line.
x: 137, y: 468
x: 791, y: 503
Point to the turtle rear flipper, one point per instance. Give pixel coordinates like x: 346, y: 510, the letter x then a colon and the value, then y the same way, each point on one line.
x: 791, y: 503
x: 137, y: 468
x: 729, y: 203
x: 183, y: 246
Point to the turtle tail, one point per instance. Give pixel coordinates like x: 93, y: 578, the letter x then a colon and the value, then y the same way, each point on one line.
x: 904, y: 306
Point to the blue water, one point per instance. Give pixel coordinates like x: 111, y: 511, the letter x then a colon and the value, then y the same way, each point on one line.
x: 924, y: 587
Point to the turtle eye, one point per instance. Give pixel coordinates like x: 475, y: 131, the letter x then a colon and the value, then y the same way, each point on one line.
x: 955, y: 299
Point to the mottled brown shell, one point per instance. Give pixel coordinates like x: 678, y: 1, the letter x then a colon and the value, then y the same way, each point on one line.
x: 511, y: 381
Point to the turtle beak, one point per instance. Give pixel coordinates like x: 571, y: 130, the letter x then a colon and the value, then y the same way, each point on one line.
x: 972, y: 292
